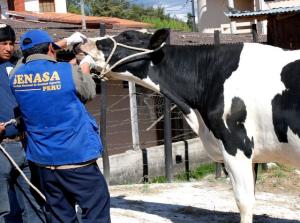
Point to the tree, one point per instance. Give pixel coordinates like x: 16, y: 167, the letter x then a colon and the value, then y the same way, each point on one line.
x: 126, y: 10
x: 73, y: 6
x: 110, y: 8
x: 190, y: 21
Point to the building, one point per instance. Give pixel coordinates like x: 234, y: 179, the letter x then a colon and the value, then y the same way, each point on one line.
x: 282, y: 24
x: 211, y: 14
x: 38, y: 6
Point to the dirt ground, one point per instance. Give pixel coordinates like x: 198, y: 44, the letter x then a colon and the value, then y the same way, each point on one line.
x: 207, y: 201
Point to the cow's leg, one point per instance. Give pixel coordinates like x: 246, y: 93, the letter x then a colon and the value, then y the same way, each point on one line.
x: 239, y: 168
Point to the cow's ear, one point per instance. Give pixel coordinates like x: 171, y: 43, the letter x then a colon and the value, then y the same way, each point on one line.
x: 158, y: 38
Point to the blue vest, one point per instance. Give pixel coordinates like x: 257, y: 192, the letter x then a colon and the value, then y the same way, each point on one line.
x: 59, y: 128
x: 8, y: 104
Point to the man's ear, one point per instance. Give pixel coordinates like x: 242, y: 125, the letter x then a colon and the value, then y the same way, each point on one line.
x: 51, y: 49
x: 159, y: 37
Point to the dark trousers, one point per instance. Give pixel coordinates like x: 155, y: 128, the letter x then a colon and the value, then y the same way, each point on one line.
x: 84, y: 186
x: 15, y: 194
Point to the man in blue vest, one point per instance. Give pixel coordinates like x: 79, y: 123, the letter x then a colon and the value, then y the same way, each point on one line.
x: 63, y: 138
x: 12, y: 184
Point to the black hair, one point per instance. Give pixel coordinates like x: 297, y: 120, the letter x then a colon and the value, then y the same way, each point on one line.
x: 40, y: 49
x: 7, y: 33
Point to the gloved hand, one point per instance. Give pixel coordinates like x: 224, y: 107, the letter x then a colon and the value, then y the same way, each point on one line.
x: 88, y: 59
x: 76, y: 37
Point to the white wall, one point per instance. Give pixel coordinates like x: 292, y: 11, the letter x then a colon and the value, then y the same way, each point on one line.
x: 281, y: 3
x: 211, y: 15
x: 32, y: 5
x: 127, y: 168
x: 61, y: 6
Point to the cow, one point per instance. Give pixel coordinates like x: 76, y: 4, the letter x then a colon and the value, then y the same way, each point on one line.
x: 242, y: 100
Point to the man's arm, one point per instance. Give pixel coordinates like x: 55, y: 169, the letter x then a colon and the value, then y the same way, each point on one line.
x: 84, y: 83
x: 75, y: 38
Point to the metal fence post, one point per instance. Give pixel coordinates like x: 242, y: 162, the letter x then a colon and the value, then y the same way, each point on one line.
x: 103, y: 104
x: 168, y: 137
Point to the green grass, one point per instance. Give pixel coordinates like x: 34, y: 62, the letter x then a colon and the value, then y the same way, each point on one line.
x: 281, y: 171
x: 167, y: 23
x: 196, y: 174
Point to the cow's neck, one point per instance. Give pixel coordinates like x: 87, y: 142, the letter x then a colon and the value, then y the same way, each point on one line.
x: 195, y: 75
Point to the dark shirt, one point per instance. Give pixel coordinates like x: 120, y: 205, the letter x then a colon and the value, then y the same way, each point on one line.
x: 8, y: 104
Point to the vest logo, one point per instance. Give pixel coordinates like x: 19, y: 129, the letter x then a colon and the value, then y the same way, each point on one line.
x: 45, y: 82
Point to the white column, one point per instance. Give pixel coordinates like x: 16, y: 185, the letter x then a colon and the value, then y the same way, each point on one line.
x: 201, y: 4
x: 232, y: 23
x: 134, y: 116
x: 261, y: 25
x: 82, y: 15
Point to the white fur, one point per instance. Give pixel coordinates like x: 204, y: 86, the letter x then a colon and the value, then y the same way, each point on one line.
x: 256, y: 81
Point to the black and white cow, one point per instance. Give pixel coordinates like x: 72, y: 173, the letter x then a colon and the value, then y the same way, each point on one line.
x: 243, y: 100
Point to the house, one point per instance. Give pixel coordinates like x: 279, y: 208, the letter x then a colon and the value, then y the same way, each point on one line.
x: 211, y: 14
x: 282, y: 24
x: 59, y: 6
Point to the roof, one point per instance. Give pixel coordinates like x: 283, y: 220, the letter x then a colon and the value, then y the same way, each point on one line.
x: 61, y: 30
x: 262, y: 14
x: 75, y: 19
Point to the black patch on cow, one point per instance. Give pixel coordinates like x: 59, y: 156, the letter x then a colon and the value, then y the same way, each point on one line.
x: 286, y: 106
x: 237, y: 134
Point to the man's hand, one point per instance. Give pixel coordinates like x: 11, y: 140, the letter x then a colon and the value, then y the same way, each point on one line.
x: 86, y: 64
x: 76, y: 37
x: 88, y: 60
x: 2, y: 128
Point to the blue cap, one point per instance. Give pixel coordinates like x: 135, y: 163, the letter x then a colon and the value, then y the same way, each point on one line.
x: 35, y: 37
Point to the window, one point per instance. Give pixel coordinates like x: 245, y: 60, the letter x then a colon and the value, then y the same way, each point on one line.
x: 47, y: 6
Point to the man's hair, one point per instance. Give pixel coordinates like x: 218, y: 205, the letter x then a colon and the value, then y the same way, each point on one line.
x: 40, y: 49
x: 7, y: 33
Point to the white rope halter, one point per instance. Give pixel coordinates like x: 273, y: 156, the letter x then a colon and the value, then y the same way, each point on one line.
x: 106, y: 70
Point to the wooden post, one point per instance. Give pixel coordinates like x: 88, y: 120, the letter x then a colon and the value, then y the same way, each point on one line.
x: 168, y: 137
x: 217, y: 37
x: 254, y: 33
x: 134, y: 116
x: 105, y: 157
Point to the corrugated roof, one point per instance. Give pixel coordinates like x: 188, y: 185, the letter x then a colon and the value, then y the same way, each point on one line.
x: 70, y: 18
x: 274, y: 11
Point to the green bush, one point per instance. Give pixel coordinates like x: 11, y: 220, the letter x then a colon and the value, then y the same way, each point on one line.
x: 167, y: 23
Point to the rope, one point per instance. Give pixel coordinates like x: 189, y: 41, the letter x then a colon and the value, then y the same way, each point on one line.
x: 15, y: 122
x: 116, y: 44
x: 21, y: 172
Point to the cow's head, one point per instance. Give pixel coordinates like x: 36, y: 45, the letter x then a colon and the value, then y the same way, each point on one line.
x: 104, y: 49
